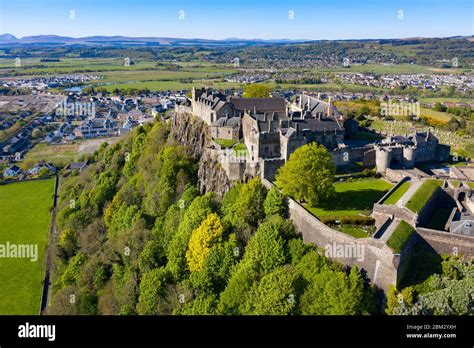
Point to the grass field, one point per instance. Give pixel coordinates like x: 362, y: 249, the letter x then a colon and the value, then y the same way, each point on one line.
x: 436, y: 117
x: 356, y: 231
x: 422, y: 195
x: 400, y: 236
x: 55, y: 154
x: 353, y: 198
x: 25, y: 219
x: 397, y: 194
x: 60, y: 154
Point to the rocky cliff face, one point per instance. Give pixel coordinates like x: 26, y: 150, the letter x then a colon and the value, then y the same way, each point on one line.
x: 211, y: 176
x: 190, y: 131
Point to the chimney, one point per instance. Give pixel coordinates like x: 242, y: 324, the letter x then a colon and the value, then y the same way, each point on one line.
x: 309, y: 103
x: 319, y: 96
x: 254, y: 109
x: 329, y: 106
x: 264, y: 117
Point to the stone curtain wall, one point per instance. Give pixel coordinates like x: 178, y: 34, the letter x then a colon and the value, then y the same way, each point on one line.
x: 447, y: 243
x: 381, y: 211
x: 378, y: 260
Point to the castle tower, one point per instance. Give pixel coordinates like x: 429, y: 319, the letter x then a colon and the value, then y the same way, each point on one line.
x: 382, y: 159
x: 409, y: 157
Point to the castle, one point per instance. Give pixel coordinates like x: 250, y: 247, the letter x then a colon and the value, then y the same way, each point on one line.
x: 272, y: 129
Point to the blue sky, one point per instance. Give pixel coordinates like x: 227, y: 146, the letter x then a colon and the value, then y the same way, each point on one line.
x: 266, y: 19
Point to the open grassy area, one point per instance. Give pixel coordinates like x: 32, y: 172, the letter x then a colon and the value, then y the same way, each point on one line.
x: 25, y: 219
x: 400, y: 236
x: 55, y: 154
x: 436, y: 118
x: 422, y: 195
x: 398, y: 193
x: 356, y: 231
x: 353, y: 198
x: 225, y: 142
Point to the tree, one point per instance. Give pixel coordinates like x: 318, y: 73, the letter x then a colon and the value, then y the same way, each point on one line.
x: 308, y: 175
x: 266, y: 249
x: 151, y: 287
x: 256, y: 90
x: 247, y: 208
x: 199, y: 209
x: 275, y: 203
x: 202, y: 240
x: 203, y: 304
x: 440, y: 107
x: 335, y: 293
x: 274, y: 294
x: 233, y: 297
x: 36, y: 133
x: 44, y: 172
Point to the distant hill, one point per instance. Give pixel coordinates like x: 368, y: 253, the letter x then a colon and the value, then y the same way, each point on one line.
x: 8, y: 39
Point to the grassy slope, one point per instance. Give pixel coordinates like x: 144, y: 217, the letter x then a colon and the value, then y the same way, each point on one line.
x: 398, y: 193
x: 25, y: 219
x: 353, y: 197
x: 400, y: 236
x: 422, y: 195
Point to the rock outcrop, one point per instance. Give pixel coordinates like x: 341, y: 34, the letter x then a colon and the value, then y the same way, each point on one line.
x: 193, y: 133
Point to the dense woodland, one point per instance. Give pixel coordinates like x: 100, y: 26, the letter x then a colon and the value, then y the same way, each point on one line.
x: 136, y: 237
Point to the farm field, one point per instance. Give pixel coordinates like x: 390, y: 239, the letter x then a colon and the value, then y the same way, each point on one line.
x: 60, y: 154
x: 25, y: 219
x: 353, y: 198
x: 436, y: 117
x: 388, y: 69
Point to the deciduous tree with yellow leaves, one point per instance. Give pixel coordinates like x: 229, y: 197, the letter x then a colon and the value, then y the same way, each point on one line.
x: 203, y: 238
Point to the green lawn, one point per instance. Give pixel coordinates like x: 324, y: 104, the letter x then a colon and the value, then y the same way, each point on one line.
x: 25, y: 219
x: 397, y: 194
x: 422, y: 195
x: 356, y: 231
x: 55, y: 154
x: 400, y: 236
x: 353, y: 197
x: 225, y: 142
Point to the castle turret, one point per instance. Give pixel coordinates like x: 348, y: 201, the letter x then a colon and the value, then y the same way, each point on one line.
x: 382, y: 159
